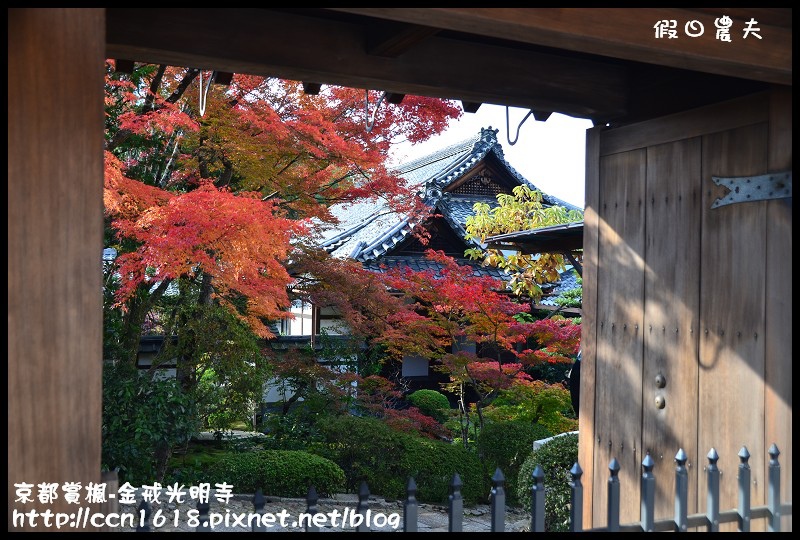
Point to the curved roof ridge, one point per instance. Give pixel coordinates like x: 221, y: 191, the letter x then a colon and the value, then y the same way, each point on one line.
x: 373, y: 234
x: 380, y: 245
x: 486, y: 141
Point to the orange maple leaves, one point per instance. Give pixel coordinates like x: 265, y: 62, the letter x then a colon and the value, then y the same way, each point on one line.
x: 239, y: 240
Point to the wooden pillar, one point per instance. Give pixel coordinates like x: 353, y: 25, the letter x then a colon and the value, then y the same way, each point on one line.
x: 55, y: 175
x: 591, y: 239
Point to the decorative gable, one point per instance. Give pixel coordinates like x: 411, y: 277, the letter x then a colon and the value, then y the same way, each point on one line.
x: 483, y: 181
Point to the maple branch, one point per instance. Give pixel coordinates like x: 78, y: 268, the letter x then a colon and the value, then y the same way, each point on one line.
x: 227, y: 173
x: 158, y: 292
x: 124, y: 134
x: 119, y: 137
x: 292, y: 162
x: 154, y: 84
x: 330, y: 185
x: 296, y: 396
x: 191, y: 74
x: 168, y: 165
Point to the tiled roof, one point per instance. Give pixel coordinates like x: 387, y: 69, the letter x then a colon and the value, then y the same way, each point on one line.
x: 369, y: 230
x: 569, y: 280
x: 418, y: 171
x: 421, y: 264
x: 457, y: 208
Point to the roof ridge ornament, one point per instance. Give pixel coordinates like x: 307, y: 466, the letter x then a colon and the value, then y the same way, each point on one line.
x: 433, y: 192
x: 489, y: 135
x: 486, y: 140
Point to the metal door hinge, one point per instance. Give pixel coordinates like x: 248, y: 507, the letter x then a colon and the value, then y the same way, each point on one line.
x: 754, y: 188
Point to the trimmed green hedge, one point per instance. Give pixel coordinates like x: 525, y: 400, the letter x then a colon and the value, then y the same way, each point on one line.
x: 368, y: 450
x: 282, y: 473
x: 506, y: 444
x: 556, y: 457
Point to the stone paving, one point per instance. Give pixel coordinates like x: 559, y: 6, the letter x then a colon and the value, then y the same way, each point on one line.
x: 338, y: 515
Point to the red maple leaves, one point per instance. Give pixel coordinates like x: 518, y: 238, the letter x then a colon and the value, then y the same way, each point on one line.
x: 239, y: 240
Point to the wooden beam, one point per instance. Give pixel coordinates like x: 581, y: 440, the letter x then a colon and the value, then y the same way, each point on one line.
x: 223, y: 77
x: 394, y: 98
x: 542, y: 244
x: 55, y: 237
x: 589, y: 324
x: 470, y: 107
x: 333, y: 52
x: 778, y: 316
x: 721, y: 116
x: 311, y: 88
x: 628, y: 34
x: 393, y: 39
x: 578, y: 268
x: 124, y: 66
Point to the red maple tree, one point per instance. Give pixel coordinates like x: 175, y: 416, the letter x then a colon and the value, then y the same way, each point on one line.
x: 442, y: 311
x: 220, y: 195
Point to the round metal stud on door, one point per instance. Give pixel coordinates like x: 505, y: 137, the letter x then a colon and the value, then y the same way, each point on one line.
x: 660, y: 402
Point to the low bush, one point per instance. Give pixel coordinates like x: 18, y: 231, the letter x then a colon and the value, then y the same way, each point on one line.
x: 368, y: 450
x: 282, y: 473
x: 556, y: 457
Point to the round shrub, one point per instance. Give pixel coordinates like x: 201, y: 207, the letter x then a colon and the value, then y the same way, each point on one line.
x: 430, y: 403
x: 282, y: 473
x: 506, y: 444
x: 556, y: 457
x: 368, y: 450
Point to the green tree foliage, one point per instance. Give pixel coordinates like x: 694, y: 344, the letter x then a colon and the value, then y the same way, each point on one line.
x: 538, y: 403
x: 144, y: 417
x: 226, y: 367
x: 280, y: 473
x: 523, y: 210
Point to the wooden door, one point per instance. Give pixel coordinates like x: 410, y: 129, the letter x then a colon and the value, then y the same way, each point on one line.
x: 678, y: 295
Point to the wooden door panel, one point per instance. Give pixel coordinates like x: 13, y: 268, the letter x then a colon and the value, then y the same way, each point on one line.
x: 672, y: 255
x: 619, y: 328
x: 732, y: 307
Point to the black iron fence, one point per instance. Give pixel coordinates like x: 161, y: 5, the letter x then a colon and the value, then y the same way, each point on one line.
x: 743, y: 515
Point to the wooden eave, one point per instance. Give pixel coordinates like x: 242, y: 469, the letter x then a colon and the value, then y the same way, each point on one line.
x: 599, y: 63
